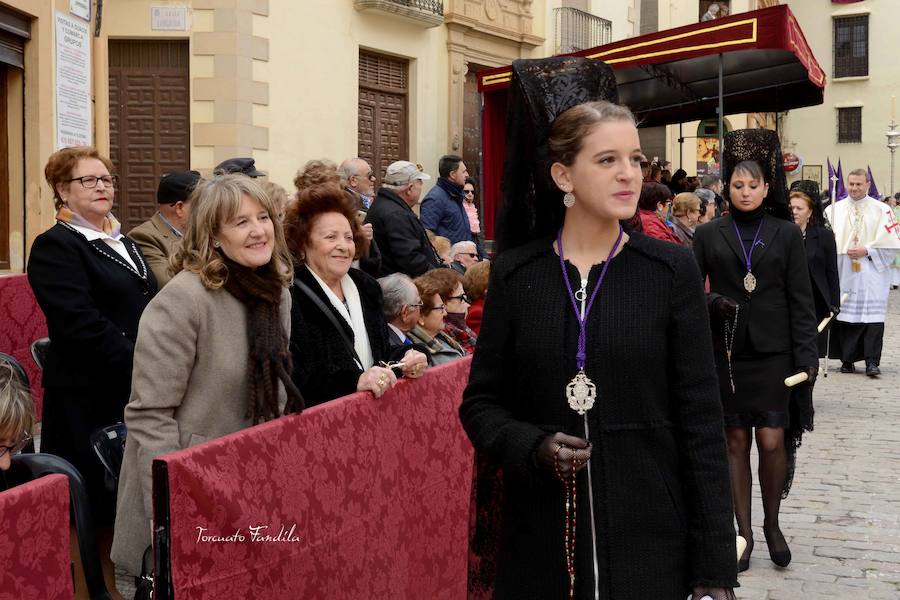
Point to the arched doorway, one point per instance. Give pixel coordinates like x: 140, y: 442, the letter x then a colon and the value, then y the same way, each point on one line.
x: 708, y: 146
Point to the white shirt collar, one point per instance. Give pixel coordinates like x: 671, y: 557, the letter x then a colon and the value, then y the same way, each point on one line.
x: 400, y: 333
x: 93, y: 234
x: 172, y: 227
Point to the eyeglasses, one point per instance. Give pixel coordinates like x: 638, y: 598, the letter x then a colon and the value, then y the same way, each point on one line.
x: 469, y: 254
x: 90, y: 181
x: 461, y: 297
x: 416, y: 306
x: 370, y: 175
x: 440, y: 307
x: 17, y: 447
x: 469, y: 192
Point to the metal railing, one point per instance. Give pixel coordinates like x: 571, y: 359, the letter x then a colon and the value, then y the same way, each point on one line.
x: 578, y: 30
x: 433, y: 6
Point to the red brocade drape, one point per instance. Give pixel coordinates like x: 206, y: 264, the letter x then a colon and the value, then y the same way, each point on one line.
x: 22, y: 322
x: 363, y: 498
x: 493, y: 142
x: 34, y: 541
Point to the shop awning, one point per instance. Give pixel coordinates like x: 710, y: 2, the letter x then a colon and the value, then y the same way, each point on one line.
x: 757, y: 61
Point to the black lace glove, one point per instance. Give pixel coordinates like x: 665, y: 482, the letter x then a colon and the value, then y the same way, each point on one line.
x: 813, y: 372
x: 724, y: 308
x: 568, y: 448
x: 703, y: 592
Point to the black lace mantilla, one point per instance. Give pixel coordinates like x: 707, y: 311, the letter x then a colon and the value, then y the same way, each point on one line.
x: 762, y: 146
x: 541, y: 90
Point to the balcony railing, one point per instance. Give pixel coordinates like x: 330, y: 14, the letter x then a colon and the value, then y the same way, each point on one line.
x: 428, y: 13
x: 578, y: 30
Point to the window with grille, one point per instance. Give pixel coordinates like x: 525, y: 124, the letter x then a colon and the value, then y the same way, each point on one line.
x: 851, y: 46
x: 850, y: 125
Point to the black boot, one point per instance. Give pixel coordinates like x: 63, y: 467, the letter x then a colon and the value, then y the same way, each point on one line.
x: 847, y: 367
x: 872, y: 369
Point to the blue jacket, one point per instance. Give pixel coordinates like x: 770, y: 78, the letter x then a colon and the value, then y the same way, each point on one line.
x: 442, y: 212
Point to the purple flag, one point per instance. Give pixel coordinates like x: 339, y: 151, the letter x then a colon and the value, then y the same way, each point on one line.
x: 841, y: 192
x: 873, y: 189
x: 830, y: 176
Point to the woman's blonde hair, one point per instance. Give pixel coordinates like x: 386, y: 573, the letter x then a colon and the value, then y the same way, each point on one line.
x: 278, y: 195
x: 317, y: 172
x: 475, y: 281
x: 16, y: 406
x: 214, y: 203
x: 684, y: 202
x: 442, y: 245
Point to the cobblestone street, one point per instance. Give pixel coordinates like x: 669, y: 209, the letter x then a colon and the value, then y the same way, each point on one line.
x: 842, y: 519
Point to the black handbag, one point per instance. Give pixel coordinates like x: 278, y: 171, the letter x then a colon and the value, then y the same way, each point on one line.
x: 144, y: 587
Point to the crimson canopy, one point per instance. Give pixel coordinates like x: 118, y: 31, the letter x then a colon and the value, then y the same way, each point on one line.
x: 673, y: 76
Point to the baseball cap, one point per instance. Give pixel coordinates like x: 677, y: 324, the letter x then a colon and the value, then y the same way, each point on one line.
x: 244, y: 166
x: 404, y: 172
x: 176, y: 186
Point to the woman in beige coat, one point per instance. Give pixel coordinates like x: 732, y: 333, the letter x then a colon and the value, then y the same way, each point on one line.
x: 206, y: 345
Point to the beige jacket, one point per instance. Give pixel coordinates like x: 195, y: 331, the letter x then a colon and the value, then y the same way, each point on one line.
x: 157, y: 241
x: 189, y: 385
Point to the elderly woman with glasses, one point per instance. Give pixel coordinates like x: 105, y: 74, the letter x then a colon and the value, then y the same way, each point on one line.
x: 92, y: 283
x: 443, y: 302
x: 339, y: 335
x: 16, y: 417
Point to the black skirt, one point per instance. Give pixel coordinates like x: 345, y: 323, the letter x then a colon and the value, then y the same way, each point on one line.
x: 760, y: 398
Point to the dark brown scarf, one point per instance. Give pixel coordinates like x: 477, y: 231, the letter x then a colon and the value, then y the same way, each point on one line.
x: 269, y: 360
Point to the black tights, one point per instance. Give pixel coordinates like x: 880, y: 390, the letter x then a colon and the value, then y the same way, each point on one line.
x: 772, y: 474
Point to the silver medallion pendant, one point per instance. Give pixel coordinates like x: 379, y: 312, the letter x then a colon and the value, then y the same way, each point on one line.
x: 749, y: 281
x: 581, y: 393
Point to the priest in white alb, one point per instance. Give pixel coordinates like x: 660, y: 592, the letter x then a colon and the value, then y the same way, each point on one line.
x: 868, y: 240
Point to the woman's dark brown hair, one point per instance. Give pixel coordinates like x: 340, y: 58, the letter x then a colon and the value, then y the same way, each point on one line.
x: 311, y: 203
x: 569, y: 129
x: 652, y: 194
x: 62, y: 163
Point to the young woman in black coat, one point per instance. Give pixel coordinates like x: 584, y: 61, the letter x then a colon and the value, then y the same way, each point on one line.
x: 652, y: 513
x: 339, y: 334
x: 92, y: 284
x: 821, y: 251
x: 763, y: 326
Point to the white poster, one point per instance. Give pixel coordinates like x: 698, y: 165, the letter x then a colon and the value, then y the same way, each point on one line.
x: 73, y: 83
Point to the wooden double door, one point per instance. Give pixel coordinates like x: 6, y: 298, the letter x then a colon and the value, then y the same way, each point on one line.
x: 149, y: 124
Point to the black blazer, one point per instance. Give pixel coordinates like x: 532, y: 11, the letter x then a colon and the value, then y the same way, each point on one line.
x: 92, y: 300
x: 324, y: 367
x: 778, y: 317
x: 662, y: 496
x: 821, y: 255
x: 400, y: 236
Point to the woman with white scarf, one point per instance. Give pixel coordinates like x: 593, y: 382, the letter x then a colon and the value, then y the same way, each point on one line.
x: 339, y: 335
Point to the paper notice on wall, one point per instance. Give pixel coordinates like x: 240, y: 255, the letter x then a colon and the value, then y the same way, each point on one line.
x: 73, y: 83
